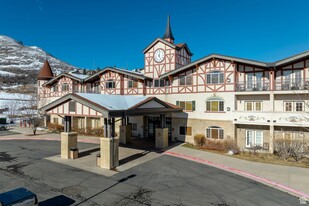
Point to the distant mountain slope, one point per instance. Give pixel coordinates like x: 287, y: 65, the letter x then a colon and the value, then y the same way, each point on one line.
x: 15, y: 56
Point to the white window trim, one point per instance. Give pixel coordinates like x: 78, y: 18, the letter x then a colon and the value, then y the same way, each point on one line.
x: 294, y: 103
x: 214, y: 127
x: 218, y: 73
x: 254, y: 138
x: 253, y: 105
x: 218, y: 105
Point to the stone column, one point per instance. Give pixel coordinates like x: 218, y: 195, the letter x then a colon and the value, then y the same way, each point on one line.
x: 109, y: 151
x: 68, y: 141
x: 161, y: 138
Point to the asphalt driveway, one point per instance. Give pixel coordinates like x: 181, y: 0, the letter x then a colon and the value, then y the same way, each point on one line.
x: 164, y: 181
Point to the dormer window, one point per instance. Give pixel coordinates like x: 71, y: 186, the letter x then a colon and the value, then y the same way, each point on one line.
x: 159, y: 83
x: 185, y: 80
x: 110, y: 84
x: 132, y: 83
x: 215, y: 77
x: 65, y: 87
x: 54, y: 88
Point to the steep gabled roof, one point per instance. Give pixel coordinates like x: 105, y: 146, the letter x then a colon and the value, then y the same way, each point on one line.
x: 184, y: 45
x: 71, y: 76
x: 291, y: 59
x: 212, y: 56
x: 159, y: 40
x: 136, y: 75
x: 114, y: 105
x: 46, y: 72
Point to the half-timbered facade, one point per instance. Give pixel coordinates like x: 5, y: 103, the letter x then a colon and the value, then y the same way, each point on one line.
x: 221, y: 96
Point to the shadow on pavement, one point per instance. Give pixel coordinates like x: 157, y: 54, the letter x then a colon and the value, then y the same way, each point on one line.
x: 88, y: 152
x: 133, y: 157
x: 57, y: 201
x: 7, y: 132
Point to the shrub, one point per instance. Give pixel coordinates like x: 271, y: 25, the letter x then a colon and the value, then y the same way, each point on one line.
x: 199, y: 140
x: 221, y: 145
x: 290, y: 148
x: 230, y: 145
x: 55, y: 127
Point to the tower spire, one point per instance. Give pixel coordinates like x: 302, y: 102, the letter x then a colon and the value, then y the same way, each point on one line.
x: 168, y: 35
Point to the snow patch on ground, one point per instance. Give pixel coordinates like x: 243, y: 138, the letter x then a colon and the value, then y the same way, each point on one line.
x: 14, y: 96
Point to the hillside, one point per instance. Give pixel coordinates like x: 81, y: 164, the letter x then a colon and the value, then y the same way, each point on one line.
x: 20, y: 64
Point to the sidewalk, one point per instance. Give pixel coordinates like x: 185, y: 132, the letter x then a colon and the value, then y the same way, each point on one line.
x: 294, y: 180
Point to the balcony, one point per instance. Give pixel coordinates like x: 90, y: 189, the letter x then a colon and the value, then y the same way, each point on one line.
x: 93, y: 91
x: 255, y: 86
x: 276, y: 118
x: 291, y: 84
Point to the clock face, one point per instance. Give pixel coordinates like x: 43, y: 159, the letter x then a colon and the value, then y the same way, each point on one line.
x: 159, y: 55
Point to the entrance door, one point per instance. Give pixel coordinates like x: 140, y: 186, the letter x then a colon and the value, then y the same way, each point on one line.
x: 154, y: 122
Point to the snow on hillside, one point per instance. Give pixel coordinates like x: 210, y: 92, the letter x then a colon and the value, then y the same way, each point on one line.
x: 15, y: 55
x: 4, y: 73
x: 14, y: 96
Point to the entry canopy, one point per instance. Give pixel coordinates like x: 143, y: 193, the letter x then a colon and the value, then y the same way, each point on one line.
x: 106, y: 105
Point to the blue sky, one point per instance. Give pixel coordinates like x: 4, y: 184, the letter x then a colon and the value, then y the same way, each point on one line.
x: 93, y: 33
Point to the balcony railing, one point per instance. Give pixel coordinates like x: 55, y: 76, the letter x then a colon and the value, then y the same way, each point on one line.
x: 254, y: 86
x: 292, y: 84
x: 93, y: 91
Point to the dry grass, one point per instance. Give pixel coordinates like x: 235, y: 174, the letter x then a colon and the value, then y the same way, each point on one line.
x: 259, y: 157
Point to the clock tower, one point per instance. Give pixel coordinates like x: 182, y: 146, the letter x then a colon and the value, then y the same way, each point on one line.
x: 162, y: 55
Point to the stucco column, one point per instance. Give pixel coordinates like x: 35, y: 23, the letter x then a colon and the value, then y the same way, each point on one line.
x: 105, y: 127
x: 271, y: 138
x: 109, y: 131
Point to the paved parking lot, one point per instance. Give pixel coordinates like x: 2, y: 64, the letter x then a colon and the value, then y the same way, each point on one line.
x: 164, y: 180
x: 7, y: 132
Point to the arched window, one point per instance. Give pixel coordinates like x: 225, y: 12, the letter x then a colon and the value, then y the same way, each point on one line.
x: 214, y: 132
x: 215, y: 77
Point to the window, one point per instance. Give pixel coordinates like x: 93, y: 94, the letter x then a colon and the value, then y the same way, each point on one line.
x: 214, y: 132
x: 253, y: 106
x: 132, y: 84
x: 110, y: 84
x: 55, y: 120
x: 299, y: 106
x: 134, y: 126
x: 254, y: 138
x: 215, y: 77
x: 214, y: 106
x: 55, y: 88
x: 65, y: 87
x: 95, y: 123
x: 96, y: 87
x: 183, y: 130
x: 294, y: 106
x: 72, y: 106
x: 81, y: 122
x: 186, y: 105
x: 288, y: 106
x: 159, y: 83
x: 185, y: 80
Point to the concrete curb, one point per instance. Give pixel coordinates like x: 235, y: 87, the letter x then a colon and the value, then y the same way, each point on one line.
x: 263, y: 180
